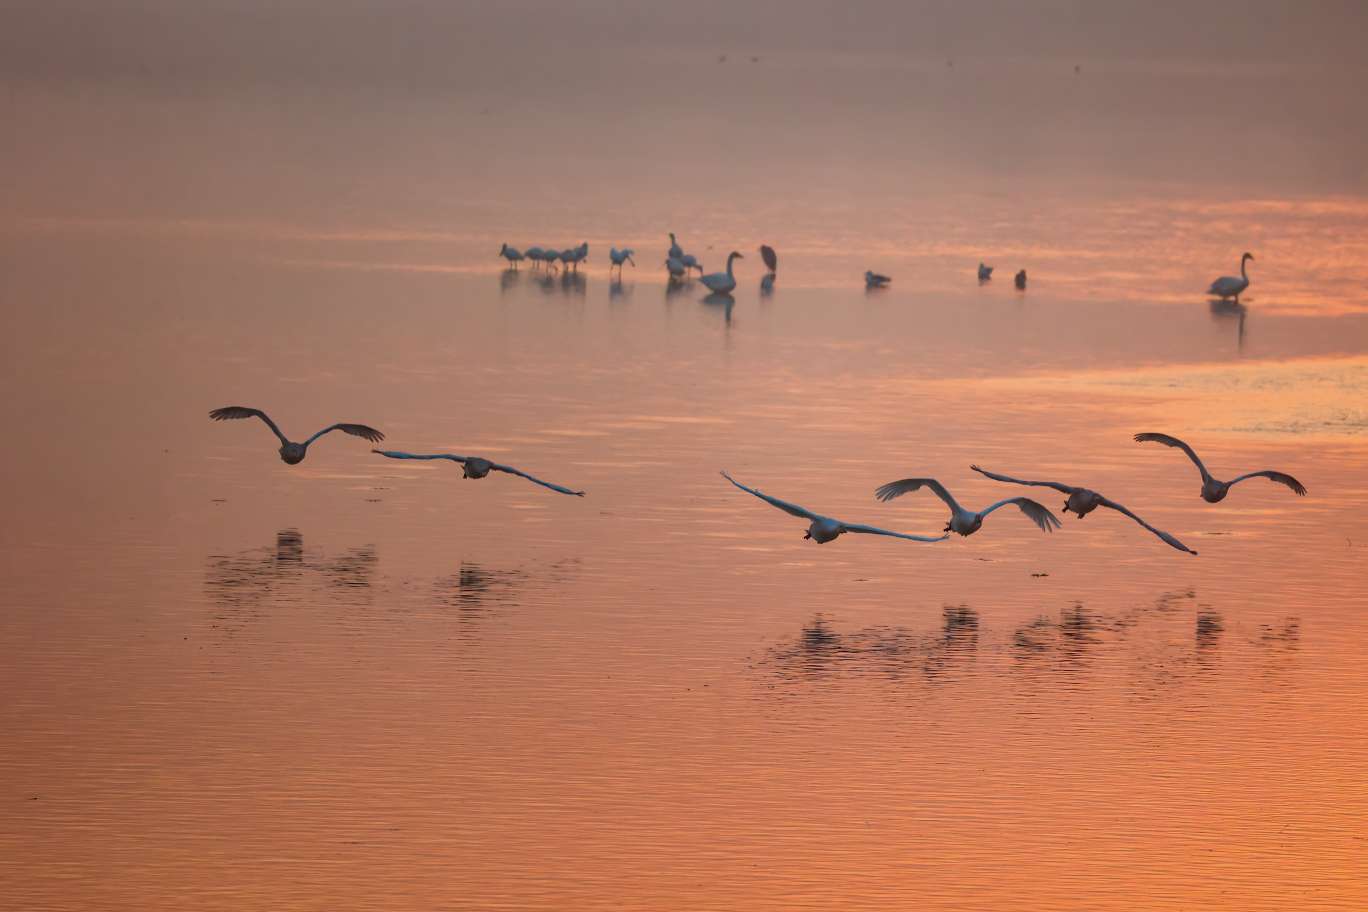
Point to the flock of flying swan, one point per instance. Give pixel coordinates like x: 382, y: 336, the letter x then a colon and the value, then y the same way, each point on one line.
x: 821, y: 529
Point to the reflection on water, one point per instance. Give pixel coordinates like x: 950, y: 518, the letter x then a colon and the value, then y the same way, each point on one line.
x: 1224, y: 310
x: 821, y: 652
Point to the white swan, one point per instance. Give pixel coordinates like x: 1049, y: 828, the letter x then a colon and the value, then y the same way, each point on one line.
x: 874, y: 280
x: 675, y: 266
x: 985, y: 272
x: 691, y: 262
x: 619, y: 257
x: 722, y: 282
x: 1083, y: 501
x: 1229, y: 286
x: 1214, y: 491
x: 676, y: 251
x: 823, y: 529
x: 292, y: 453
x: 477, y: 467
x: 967, y: 522
x: 511, y: 254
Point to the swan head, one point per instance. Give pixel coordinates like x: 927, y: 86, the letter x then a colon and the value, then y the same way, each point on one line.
x: 503, y: 249
x: 292, y: 453
x: 1247, y: 256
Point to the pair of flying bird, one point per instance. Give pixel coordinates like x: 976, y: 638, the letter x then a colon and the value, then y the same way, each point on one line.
x: 1080, y: 501
x: 292, y: 453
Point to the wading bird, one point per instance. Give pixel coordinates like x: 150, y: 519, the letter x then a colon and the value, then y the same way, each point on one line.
x: 1230, y: 286
x: 1021, y: 280
x: 823, y: 529
x: 511, y: 254
x: 477, y: 467
x: 874, y: 280
x: 292, y: 453
x: 767, y: 254
x: 722, y: 282
x: 675, y: 250
x: 619, y: 257
x: 691, y: 262
x: 1082, y: 501
x: 967, y: 522
x: 1214, y: 491
x: 985, y: 272
x: 675, y: 267
x: 536, y: 255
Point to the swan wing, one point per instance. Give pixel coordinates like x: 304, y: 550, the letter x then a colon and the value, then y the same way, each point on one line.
x: 791, y: 509
x: 1063, y: 488
x: 899, y: 488
x: 1281, y: 478
x: 230, y: 412
x: 356, y: 430
x: 871, y: 530
x: 545, y: 484
x: 1166, y: 440
x: 395, y: 454
x: 1036, y: 513
x: 1167, y: 538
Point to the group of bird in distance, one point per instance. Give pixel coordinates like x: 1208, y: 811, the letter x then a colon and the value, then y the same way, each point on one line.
x: 1080, y: 500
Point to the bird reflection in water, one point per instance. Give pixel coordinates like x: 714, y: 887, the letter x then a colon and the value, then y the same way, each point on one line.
x: 619, y: 293
x: 1226, y: 311
x: 508, y: 278
x: 476, y: 591
x: 722, y: 302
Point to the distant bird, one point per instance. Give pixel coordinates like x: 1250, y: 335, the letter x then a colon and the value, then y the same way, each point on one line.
x: 511, y: 254
x: 691, y: 262
x: 573, y: 255
x: 823, y: 529
x: 675, y: 250
x: 1229, y: 286
x: 1083, y: 501
x: 536, y: 255
x: 550, y: 256
x: 874, y: 280
x: 1214, y: 491
x: 1021, y: 280
x: 292, y: 453
x: 967, y: 522
x: 722, y: 282
x: 619, y: 257
x: 675, y: 267
x: 985, y: 272
x: 771, y: 261
x: 476, y: 467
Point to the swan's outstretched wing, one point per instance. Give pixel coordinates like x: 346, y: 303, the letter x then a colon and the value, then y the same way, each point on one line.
x: 856, y: 527
x: 545, y: 484
x: 791, y: 509
x: 229, y: 412
x: 899, y: 488
x: 1281, y: 478
x: 395, y: 454
x: 1043, y: 518
x: 1166, y: 440
x: 356, y: 430
x: 1105, y: 502
x: 1063, y: 488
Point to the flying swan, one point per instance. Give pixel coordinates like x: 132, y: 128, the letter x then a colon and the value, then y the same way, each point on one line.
x: 476, y: 467
x: 823, y: 529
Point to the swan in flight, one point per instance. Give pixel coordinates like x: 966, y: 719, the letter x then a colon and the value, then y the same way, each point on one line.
x: 1021, y: 280
x: 1214, y: 491
x: 1083, y: 501
x: 676, y: 251
x: 675, y: 267
x: 511, y: 254
x: 292, y: 453
x: 967, y: 522
x: 874, y: 280
x: 771, y: 260
x: 823, y: 529
x: 476, y: 467
x: 722, y: 282
x: 1229, y: 286
x: 985, y: 272
x: 619, y: 257
x: 691, y: 262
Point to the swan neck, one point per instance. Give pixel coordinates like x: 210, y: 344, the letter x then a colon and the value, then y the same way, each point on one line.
x: 1243, y: 274
x: 729, y: 264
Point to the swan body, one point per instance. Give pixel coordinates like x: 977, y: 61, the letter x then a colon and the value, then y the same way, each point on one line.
x: 985, y: 272
x: 771, y: 259
x: 1082, y: 501
x: 874, y: 280
x: 511, y: 254
x: 967, y: 522
x: 550, y: 256
x: 676, y: 251
x: 536, y: 255
x: 618, y: 257
x: 675, y: 266
x: 292, y: 453
x: 1231, y: 286
x: 478, y: 467
x: 722, y: 282
x: 1214, y: 490
x: 823, y: 529
x: 1021, y: 280
x: 691, y: 262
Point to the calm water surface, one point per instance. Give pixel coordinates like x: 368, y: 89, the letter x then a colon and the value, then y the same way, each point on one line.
x: 359, y: 683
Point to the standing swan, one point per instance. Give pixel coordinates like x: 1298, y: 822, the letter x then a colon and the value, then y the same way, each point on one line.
x: 676, y: 251
x: 511, y: 254
x: 823, y: 529
x: 1229, y: 286
x: 619, y: 257
x: 1214, y: 491
x: 722, y: 282
x: 475, y: 467
x: 967, y: 522
x: 1083, y: 501
x: 292, y: 453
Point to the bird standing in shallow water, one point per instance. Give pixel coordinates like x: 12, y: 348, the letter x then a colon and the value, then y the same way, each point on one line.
x: 985, y: 272
x: 675, y: 267
x: 292, y: 453
x: 722, y: 282
x: 511, y: 254
x: 1214, y: 491
x: 874, y: 280
x: 676, y: 251
x: 1083, y: 501
x: 618, y: 257
x: 823, y: 529
x: 691, y: 262
x: 1021, y: 280
x: 478, y: 467
x: 967, y: 522
x: 1230, y: 286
